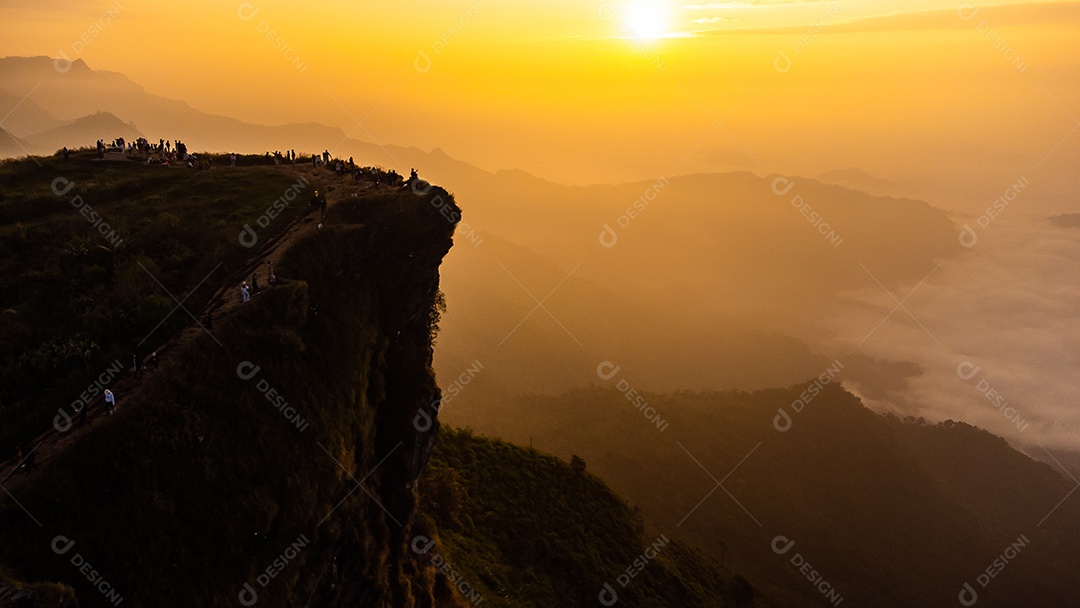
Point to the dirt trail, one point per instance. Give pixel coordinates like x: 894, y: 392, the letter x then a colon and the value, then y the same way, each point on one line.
x: 223, y: 303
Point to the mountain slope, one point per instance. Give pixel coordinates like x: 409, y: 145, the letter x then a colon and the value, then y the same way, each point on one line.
x: 889, y: 515
x: 525, y: 529
x: 83, y: 132
x: 11, y: 146
x: 24, y: 116
x: 857, y: 179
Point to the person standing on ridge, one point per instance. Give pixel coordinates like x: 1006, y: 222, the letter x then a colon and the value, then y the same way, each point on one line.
x: 245, y: 295
x: 110, y: 402
x: 255, y: 282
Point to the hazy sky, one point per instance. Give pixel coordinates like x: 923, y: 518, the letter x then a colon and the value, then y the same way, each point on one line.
x: 606, y: 91
x: 952, y: 103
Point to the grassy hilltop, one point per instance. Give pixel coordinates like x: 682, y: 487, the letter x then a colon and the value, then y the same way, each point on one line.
x: 251, y: 439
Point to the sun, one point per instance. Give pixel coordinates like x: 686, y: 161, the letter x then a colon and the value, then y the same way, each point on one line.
x: 647, y: 19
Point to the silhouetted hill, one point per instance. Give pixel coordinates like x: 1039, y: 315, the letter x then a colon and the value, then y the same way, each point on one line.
x: 717, y: 283
x: 74, y: 91
x: 11, y: 146
x: 890, y: 513
x: 526, y: 529
x: 84, y: 132
x: 1066, y: 220
x: 24, y: 116
x: 857, y: 179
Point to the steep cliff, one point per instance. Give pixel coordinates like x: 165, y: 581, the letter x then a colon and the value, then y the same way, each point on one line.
x: 273, y: 459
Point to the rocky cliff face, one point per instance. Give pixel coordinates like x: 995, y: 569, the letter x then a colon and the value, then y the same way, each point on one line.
x: 274, y: 462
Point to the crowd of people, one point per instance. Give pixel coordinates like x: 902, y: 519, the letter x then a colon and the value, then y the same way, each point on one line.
x: 247, y: 291
x: 175, y: 152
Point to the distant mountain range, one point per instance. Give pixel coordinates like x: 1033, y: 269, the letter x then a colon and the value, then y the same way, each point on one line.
x: 1066, y: 220
x: 47, y: 109
x: 85, y: 129
x: 858, y: 179
x: 45, y: 106
x: 10, y: 145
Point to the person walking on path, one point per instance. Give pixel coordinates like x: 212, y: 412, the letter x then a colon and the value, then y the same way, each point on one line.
x: 255, y: 283
x: 271, y: 277
x: 27, y: 459
x: 245, y: 294
x: 110, y: 402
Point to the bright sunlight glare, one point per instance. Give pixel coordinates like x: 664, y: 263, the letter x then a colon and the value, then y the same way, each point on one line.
x: 647, y: 19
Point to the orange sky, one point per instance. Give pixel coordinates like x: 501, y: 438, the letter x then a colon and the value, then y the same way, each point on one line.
x: 602, y: 90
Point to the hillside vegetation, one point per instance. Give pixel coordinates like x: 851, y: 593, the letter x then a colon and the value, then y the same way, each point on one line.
x: 525, y: 529
x: 89, y: 254
x: 273, y: 456
x: 889, y: 512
